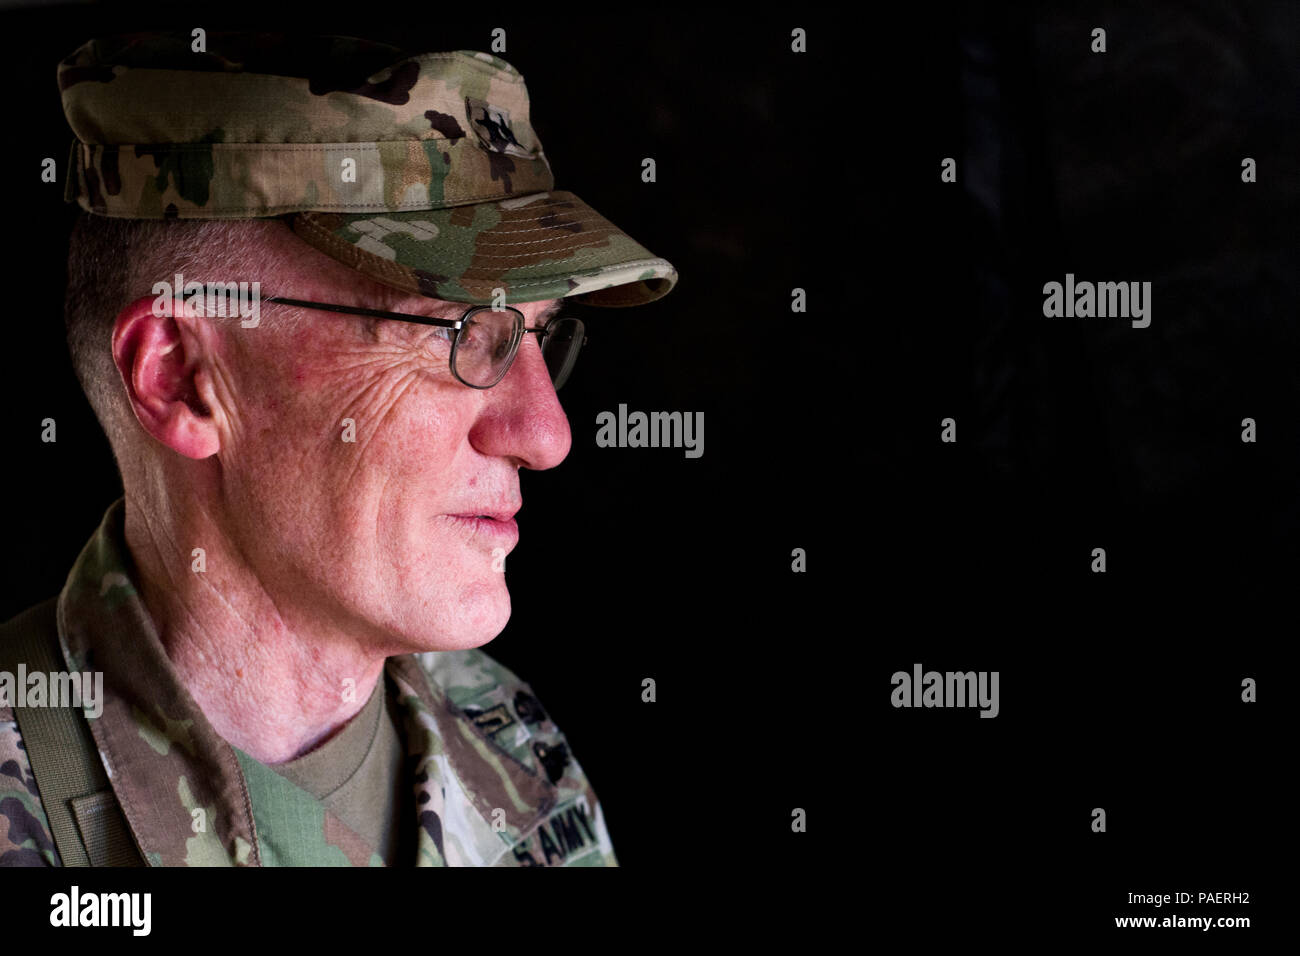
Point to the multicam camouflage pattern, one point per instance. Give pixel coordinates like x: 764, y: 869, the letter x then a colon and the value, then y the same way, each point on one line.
x: 439, y: 147
x: 212, y: 136
x: 480, y: 748
x: 24, y: 830
x: 469, y: 251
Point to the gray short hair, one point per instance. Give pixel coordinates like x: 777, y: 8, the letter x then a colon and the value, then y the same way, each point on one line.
x: 112, y: 261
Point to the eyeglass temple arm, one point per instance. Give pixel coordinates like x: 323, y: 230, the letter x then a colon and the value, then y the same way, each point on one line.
x: 375, y: 313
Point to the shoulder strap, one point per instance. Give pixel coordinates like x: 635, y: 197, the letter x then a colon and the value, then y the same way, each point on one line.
x: 74, y: 789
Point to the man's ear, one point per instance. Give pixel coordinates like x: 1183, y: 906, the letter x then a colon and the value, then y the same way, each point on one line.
x: 157, y: 357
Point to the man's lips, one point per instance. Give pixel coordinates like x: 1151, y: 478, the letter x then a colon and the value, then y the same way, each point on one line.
x: 495, y: 526
x: 495, y: 514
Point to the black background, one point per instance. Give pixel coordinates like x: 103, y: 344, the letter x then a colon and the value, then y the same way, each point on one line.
x: 1118, y: 690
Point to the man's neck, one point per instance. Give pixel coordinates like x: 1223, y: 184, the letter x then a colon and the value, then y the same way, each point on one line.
x: 271, y: 683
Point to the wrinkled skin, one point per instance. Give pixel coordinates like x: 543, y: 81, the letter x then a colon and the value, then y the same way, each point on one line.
x: 322, y: 556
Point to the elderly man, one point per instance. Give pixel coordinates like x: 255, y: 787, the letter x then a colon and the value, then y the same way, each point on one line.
x: 320, y: 479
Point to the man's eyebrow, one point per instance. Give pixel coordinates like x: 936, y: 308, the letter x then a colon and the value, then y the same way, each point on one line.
x: 422, y: 308
x: 550, y: 312
x: 425, y: 307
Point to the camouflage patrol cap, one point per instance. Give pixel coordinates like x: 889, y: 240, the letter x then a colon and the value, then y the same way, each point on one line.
x: 422, y: 172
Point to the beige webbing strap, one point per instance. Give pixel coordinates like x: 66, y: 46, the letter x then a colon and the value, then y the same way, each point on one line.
x: 63, y: 754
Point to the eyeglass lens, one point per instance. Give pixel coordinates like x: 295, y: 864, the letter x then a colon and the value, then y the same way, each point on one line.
x: 488, y: 341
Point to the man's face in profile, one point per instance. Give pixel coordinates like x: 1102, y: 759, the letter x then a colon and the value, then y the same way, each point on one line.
x: 402, y: 531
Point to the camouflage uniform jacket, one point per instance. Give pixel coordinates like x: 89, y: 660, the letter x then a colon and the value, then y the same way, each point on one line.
x: 495, y: 782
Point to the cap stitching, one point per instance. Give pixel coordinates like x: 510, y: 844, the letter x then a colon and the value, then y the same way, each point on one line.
x: 596, y: 217
x: 523, y: 283
x: 489, y: 234
x: 600, y: 236
x: 596, y: 237
x: 565, y: 261
x: 390, y: 263
x: 391, y: 268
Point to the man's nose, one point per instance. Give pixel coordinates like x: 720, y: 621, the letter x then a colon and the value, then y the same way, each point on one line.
x: 522, y: 418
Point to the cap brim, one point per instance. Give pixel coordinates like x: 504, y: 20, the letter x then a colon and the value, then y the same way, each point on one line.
x: 542, y: 246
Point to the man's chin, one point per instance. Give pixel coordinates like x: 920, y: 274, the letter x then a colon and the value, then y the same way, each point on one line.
x: 480, y: 617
